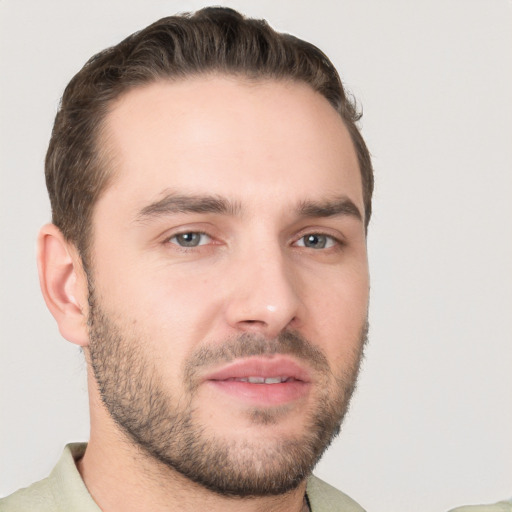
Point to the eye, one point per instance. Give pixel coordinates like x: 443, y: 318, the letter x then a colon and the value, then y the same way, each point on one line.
x: 190, y: 239
x: 316, y: 241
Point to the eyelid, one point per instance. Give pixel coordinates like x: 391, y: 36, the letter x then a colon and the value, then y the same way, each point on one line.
x: 168, y: 239
x: 331, y: 242
x: 335, y: 235
x: 204, y: 228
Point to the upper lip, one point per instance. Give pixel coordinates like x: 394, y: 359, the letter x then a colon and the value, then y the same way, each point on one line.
x: 261, y: 366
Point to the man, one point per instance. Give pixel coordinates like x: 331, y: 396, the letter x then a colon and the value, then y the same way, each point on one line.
x: 210, y: 199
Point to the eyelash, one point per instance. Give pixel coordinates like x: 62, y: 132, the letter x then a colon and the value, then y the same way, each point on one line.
x: 331, y: 242
x: 188, y: 247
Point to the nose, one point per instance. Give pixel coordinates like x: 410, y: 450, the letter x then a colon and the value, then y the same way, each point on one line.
x: 264, y: 294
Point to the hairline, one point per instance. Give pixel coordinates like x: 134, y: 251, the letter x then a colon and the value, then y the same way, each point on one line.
x: 105, y: 158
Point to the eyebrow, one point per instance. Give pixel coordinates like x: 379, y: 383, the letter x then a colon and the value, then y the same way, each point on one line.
x: 330, y: 208
x: 176, y: 203
x: 173, y: 203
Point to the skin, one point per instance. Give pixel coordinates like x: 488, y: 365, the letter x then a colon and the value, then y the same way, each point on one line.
x: 265, y: 148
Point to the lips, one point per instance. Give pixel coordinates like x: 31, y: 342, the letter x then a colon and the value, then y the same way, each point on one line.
x: 262, y: 380
x: 274, y: 380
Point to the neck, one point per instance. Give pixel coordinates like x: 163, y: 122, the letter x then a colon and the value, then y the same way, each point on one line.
x: 121, y: 476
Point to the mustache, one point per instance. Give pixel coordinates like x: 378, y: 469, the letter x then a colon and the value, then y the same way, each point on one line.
x: 250, y: 344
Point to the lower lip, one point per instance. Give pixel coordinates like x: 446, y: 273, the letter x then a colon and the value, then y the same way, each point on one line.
x: 262, y: 394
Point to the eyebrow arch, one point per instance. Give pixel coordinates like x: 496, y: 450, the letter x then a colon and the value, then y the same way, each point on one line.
x: 177, y: 203
x: 330, y: 208
x: 173, y: 203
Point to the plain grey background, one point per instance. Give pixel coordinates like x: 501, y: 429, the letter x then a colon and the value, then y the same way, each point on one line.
x: 431, y: 423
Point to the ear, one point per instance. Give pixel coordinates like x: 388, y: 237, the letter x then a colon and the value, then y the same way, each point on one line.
x: 63, y: 283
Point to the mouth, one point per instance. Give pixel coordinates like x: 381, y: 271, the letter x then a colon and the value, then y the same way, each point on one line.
x: 263, y: 381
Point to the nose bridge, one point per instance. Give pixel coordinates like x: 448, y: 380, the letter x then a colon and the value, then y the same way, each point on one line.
x: 264, y: 294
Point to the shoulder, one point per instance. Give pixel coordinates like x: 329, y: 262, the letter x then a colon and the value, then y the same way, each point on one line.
x: 62, y: 491
x: 502, y: 506
x: 326, y: 498
x: 37, y: 498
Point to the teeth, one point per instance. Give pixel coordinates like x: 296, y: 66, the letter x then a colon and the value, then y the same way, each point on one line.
x: 273, y: 380
x: 262, y: 380
x: 256, y: 380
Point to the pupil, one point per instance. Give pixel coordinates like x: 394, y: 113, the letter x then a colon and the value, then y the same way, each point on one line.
x: 188, y: 239
x: 315, y: 241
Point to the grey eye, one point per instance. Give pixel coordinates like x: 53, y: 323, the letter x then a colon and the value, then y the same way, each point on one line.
x: 316, y: 241
x: 192, y: 239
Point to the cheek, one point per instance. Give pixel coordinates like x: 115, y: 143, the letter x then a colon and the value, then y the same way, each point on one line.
x: 180, y: 310
x: 168, y: 308
x: 340, y: 313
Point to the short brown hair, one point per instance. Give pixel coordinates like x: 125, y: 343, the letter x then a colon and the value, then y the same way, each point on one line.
x: 214, y: 39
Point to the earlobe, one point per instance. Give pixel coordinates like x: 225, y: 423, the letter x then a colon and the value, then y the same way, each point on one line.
x: 63, y: 284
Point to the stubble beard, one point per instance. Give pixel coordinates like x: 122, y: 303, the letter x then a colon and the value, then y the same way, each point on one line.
x: 168, y: 430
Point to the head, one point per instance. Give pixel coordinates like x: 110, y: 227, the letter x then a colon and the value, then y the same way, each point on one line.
x: 207, y: 176
x: 210, y: 40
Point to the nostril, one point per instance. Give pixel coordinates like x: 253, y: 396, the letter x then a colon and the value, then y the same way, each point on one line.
x: 252, y: 325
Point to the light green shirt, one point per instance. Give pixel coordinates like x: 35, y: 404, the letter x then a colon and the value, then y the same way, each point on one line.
x: 65, y: 491
x: 502, y: 506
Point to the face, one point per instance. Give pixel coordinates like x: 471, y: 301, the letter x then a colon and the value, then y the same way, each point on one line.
x: 229, y: 279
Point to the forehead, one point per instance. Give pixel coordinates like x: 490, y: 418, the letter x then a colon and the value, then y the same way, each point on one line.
x: 231, y: 137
